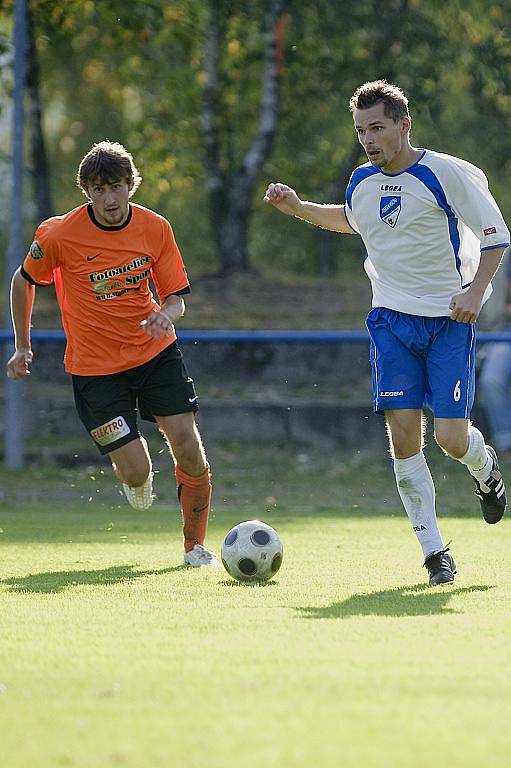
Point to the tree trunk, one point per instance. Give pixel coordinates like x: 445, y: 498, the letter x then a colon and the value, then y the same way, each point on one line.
x: 230, y: 191
x: 39, y: 163
x: 386, y: 35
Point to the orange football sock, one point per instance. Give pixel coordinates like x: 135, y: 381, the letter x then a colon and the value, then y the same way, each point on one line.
x: 194, y: 494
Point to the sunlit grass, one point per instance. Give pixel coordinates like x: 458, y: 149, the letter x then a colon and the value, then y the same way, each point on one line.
x: 113, y: 654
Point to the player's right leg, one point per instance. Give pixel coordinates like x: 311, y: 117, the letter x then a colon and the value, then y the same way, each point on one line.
x: 132, y: 467
x: 417, y: 491
x: 398, y: 350
x: 107, y: 408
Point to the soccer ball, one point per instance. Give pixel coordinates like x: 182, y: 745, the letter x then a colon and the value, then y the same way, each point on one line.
x: 252, y: 551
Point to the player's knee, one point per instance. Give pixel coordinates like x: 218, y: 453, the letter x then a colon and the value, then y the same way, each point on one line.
x: 134, y: 473
x: 135, y: 476
x: 185, y: 445
x: 454, y: 445
x: 403, y: 444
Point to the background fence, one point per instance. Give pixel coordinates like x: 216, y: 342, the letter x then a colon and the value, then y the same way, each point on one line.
x: 271, y: 386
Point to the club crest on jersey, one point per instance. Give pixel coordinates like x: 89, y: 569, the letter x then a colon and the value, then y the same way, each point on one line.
x: 36, y: 251
x: 390, y: 208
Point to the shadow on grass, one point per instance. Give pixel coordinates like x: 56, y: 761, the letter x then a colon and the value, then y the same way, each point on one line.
x: 57, y: 581
x: 417, y: 600
x: 245, y: 584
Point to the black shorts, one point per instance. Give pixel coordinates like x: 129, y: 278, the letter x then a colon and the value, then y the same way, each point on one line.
x: 108, y: 405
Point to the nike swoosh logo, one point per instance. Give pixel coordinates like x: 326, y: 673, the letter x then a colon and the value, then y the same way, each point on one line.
x: 192, y: 399
x: 89, y: 258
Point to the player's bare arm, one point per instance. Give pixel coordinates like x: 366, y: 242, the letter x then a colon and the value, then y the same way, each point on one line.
x: 22, y: 302
x: 465, y: 307
x: 286, y: 200
x: 160, y: 323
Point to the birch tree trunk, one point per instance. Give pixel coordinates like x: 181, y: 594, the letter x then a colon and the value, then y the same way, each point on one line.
x: 231, y: 186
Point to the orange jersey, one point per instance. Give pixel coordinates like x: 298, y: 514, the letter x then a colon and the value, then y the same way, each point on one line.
x: 101, y: 277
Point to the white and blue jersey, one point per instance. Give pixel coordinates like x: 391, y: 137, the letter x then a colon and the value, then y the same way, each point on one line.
x: 423, y: 230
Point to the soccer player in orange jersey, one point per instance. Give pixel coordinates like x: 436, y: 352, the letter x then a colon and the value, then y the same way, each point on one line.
x: 121, y: 348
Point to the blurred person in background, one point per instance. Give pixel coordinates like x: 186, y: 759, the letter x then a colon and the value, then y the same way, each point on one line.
x: 434, y: 237
x: 121, y: 347
x: 495, y: 379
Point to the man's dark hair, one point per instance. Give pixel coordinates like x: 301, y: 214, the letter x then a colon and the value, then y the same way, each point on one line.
x: 395, y: 103
x: 106, y: 163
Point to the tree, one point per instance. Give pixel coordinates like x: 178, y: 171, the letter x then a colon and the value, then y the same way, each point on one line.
x: 207, y: 95
x: 39, y: 163
x: 231, y: 176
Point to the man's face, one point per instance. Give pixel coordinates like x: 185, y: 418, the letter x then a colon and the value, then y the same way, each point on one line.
x: 380, y: 136
x: 110, y: 201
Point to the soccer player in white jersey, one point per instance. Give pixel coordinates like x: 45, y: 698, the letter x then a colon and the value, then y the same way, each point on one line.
x: 434, y: 237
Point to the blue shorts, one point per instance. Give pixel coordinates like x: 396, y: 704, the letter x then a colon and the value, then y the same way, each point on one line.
x: 422, y: 361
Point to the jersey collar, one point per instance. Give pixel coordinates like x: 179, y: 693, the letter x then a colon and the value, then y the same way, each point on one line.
x: 405, y: 170
x: 96, y: 223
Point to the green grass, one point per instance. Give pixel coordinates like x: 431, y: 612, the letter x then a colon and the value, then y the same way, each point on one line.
x: 112, y: 654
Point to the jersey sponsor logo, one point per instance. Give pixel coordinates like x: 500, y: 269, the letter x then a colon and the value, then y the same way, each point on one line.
x: 111, y: 431
x: 490, y: 231
x: 136, y: 263
x: 390, y: 208
x: 390, y: 187
x: 90, y: 258
x: 392, y: 394
x: 105, y: 286
x: 36, y: 251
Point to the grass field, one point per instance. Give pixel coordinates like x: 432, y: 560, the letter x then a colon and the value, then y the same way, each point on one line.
x: 113, y: 654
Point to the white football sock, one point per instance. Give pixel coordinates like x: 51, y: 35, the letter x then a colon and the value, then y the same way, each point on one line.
x: 417, y: 491
x: 477, y: 459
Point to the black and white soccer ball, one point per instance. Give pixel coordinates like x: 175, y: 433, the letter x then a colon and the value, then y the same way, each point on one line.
x: 252, y: 551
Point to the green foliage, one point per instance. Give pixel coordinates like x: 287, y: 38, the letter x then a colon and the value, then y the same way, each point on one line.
x: 135, y: 73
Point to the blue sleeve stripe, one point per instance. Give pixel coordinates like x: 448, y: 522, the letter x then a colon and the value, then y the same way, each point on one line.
x: 431, y: 181
x: 489, y: 247
x: 358, y: 175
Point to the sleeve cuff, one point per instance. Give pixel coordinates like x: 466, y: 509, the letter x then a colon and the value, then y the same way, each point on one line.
x: 497, y: 245
x: 181, y: 292
x: 29, y: 279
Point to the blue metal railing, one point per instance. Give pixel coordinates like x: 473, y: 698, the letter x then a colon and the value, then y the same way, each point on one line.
x: 251, y: 337
x: 14, y: 440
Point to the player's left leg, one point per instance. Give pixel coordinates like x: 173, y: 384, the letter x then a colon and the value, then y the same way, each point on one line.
x: 167, y: 395
x: 464, y: 442
x: 193, y: 479
x: 451, y: 378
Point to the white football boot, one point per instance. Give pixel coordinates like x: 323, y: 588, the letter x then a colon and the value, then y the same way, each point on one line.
x: 142, y: 496
x: 199, y: 556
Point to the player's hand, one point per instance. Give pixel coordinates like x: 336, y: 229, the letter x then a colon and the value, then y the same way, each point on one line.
x: 157, y: 325
x: 283, y: 197
x: 465, y: 307
x: 18, y: 366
